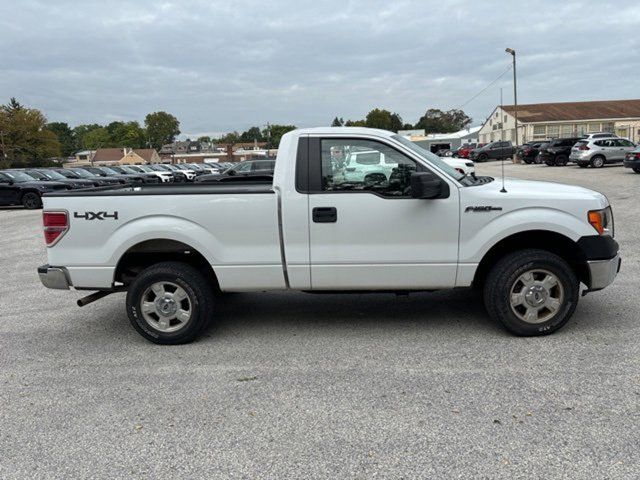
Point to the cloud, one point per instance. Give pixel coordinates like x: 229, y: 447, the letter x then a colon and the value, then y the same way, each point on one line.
x: 225, y: 65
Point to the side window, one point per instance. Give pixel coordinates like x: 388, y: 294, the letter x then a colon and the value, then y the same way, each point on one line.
x: 599, y: 143
x: 243, y: 167
x: 365, y: 165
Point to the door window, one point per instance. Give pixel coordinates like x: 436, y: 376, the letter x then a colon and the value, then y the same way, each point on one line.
x: 366, y: 166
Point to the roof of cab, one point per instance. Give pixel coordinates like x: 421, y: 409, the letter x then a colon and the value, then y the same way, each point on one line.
x: 345, y: 131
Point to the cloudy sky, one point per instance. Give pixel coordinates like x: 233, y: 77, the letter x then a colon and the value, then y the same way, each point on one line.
x: 227, y: 65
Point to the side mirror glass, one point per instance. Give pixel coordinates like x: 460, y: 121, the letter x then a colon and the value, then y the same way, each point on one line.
x: 426, y: 185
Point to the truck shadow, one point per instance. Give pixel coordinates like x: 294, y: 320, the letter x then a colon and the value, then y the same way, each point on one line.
x: 304, y: 311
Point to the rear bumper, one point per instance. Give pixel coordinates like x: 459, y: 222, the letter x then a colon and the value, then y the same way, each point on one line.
x: 603, y: 272
x: 54, y: 277
x: 631, y: 163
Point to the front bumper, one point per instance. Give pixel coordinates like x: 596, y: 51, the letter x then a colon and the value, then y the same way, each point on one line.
x: 54, y: 277
x: 603, y: 272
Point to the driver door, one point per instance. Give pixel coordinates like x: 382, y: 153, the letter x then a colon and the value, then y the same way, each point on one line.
x: 369, y: 233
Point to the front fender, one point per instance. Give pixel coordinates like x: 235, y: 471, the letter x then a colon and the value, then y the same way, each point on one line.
x: 477, y: 235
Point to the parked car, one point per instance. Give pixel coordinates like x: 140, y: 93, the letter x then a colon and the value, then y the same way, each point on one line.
x: 82, y: 174
x: 528, y: 152
x: 492, y: 151
x: 428, y: 228
x: 446, y: 152
x: 178, y: 175
x: 134, y: 178
x: 556, y: 152
x: 163, y: 175
x: 189, y: 174
x: 593, y: 136
x: 465, y: 150
x: 632, y: 160
x: 46, y: 175
x: 110, y: 179
x: 19, y: 188
x: 600, y: 151
x: 125, y: 172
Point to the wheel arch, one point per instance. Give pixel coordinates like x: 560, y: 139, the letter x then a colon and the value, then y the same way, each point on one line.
x: 553, y: 242
x: 149, y: 252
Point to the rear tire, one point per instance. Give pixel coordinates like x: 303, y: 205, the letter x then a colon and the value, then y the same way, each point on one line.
x: 482, y: 158
x: 31, y: 201
x: 562, y: 160
x: 531, y: 292
x: 598, y: 161
x: 170, y: 303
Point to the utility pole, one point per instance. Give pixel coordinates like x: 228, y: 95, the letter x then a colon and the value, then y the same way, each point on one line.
x: 515, y: 89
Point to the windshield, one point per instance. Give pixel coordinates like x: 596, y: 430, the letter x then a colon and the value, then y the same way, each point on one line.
x: 19, y: 177
x: 127, y: 169
x: 144, y: 168
x: 429, y: 157
x: 108, y: 171
x: 38, y: 175
x: 84, y: 173
x: 53, y: 175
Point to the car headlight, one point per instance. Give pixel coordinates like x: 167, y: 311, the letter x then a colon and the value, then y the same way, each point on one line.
x: 602, y: 221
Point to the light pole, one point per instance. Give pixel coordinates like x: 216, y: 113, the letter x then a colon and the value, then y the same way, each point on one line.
x: 515, y: 89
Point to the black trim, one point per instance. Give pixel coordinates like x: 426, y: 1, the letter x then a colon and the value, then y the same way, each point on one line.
x: 302, y: 165
x: 598, y: 247
x: 173, y: 189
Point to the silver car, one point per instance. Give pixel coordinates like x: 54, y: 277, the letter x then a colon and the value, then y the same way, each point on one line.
x: 599, y: 151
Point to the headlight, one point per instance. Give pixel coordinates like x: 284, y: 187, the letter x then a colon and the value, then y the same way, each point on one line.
x: 602, y: 221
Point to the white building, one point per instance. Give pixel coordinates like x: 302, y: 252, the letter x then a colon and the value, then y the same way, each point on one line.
x: 441, y: 141
x: 541, y: 121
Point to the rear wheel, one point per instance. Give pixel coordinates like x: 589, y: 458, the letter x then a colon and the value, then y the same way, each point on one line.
x: 482, y: 157
x: 170, y: 303
x: 531, y: 292
x: 597, y: 161
x: 562, y: 160
x: 31, y: 200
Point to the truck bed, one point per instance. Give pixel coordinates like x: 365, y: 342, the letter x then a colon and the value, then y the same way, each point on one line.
x: 173, y: 189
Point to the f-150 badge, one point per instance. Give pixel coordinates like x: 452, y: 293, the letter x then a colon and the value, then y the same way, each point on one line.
x: 483, y: 208
x: 96, y: 215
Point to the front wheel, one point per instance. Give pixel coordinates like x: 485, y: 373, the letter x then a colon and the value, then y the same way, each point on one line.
x: 31, y: 201
x: 597, y: 161
x: 170, y: 303
x: 531, y: 292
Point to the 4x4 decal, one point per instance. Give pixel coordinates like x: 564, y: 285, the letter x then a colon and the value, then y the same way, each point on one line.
x: 96, y: 215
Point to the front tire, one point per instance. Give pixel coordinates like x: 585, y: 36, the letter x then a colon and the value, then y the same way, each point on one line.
x: 31, y: 201
x: 531, y: 292
x: 170, y: 303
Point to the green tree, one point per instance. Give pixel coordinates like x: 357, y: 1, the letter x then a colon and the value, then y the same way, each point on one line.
x: 230, y: 138
x: 126, y: 134
x: 97, y: 138
x: 355, y: 123
x: 205, y: 139
x: 24, y: 139
x: 383, y: 119
x: 337, y: 122
x: 273, y: 134
x: 80, y: 131
x: 162, y: 128
x: 253, y: 134
x: 64, y: 134
x: 436, y: 121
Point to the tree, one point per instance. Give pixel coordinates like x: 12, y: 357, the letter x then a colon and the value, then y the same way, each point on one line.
x: 204, y: 139
x: 126, y: 134
x: 337, y: 122
x: 273, y: 134
x: 436, y: 121
x: 230, y: 138
x: 97, y: 138
x: 355, y: 123
x: 162, y: 128
x: 24, y: 140
x: 64, y: 134
x: 80, y: 131
x: 383, y: 119
x: 251, y: 135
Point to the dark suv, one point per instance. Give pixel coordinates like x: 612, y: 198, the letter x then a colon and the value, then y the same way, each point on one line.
x: 528, y: 152
x: 492, y: 151
x: 556, y: 152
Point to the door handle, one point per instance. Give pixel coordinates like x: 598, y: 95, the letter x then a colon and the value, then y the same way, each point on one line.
x: 325, y: 215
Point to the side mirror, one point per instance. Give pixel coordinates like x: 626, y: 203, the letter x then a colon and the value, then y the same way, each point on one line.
x: 426, y: 185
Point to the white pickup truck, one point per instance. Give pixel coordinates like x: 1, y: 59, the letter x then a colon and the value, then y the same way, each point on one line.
x: 423, y: 226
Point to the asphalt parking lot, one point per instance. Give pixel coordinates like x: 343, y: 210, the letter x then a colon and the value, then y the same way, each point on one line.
x: 290, y: 385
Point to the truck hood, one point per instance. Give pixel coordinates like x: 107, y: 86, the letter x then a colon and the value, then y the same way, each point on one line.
x: 531, y: 193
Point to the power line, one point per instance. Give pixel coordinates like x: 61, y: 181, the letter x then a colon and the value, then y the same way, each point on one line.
x: 485, y: 88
